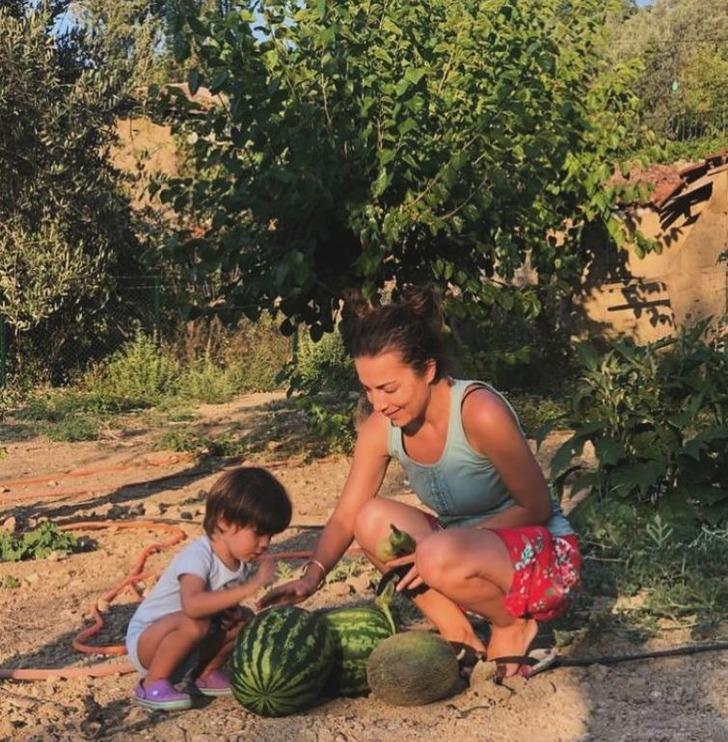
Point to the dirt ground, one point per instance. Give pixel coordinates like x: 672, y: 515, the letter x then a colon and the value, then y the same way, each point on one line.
x: 122, y: 477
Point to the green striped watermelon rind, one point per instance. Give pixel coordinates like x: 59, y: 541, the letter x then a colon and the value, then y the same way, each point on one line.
x: 355, y: 633
x: 281, y: 661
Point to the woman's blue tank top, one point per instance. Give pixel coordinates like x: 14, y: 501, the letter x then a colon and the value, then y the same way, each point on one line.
x: 463, y: 487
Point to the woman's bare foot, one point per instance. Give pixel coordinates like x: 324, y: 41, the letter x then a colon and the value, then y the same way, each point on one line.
x: 511, y: 641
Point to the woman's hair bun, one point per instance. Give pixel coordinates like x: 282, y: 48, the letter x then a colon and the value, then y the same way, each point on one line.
x: 355, y: 303
x: 424, y: 303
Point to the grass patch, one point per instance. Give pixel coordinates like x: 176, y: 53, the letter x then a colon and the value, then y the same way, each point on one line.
x: 653, y: 569
x: 198, y: 443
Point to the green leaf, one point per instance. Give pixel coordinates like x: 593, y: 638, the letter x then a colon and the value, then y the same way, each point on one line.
x: 381, y: 183
x: 193, y: 80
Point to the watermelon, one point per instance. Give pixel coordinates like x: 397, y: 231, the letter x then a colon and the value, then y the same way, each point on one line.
x: 281, y: 661
x: 355, y: 633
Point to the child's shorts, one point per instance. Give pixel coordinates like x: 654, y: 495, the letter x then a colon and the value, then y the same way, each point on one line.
x: 547, y: 570
x: 182, y: 672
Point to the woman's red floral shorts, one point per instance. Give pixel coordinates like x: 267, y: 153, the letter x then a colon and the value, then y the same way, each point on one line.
x: 546, y: 571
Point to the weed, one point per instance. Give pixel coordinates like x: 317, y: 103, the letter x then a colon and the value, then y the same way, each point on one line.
x: 10, y: 583
x: 204, y: 381
x: 74, y: 428
x: 184, y: 440
x: 138, y: 376
x: 39, y: 543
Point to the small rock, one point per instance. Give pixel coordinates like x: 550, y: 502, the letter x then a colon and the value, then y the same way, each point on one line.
x: 102, y: 605
x: 56, y: 556
x: 116, y: 511
x: 5, y: 490
x: 53, y: 483
x: 202, y: 494
x: 137, y: 509
x: 186, y: 515
x: 9, y: 524
x: 154, y: 508
x: 32, y: 578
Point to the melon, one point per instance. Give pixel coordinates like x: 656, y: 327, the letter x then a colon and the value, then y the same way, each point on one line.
x: 281, y: 660
x: 355, y: 632
x: 412, y: 669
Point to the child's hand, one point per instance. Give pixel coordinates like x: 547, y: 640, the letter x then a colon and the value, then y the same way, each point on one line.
x: 265, y: 574
x: 235, y: 616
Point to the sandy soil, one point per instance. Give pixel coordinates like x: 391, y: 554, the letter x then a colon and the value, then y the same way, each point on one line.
x: 122, y: 477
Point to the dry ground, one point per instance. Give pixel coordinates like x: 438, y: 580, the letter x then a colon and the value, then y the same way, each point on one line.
x: 122, y: 477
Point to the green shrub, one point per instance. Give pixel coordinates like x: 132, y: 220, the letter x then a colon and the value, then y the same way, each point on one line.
x: 323, y: 366
x: 204, y: 381
x: 255, y: 355
x: 137, y: 376
x: 74, y: 428
x: 658, y: 419
x: 9, y: 583
x: 39, y: 543
x: 324, y: 376
x: 184, y: 440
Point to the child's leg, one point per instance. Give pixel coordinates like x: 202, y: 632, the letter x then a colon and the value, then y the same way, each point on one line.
x: 216, y: 648
x: 166, y: 642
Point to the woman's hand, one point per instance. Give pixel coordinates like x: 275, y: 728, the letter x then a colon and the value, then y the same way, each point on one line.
x: 411, y: 579
x: 289, y: 593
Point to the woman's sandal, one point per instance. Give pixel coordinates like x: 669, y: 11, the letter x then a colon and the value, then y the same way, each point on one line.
x: 467, y: 658
x: 528, y: 665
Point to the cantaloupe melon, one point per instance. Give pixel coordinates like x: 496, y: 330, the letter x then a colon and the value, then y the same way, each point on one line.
x: 412, y: 669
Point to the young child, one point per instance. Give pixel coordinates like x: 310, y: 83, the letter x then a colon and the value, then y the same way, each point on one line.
x: 187, y: 625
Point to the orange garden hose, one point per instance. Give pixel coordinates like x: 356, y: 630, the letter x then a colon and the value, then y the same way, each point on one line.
x: 135, y: 575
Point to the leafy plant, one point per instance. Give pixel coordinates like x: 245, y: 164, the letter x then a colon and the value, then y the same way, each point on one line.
x: 657, y: 417
x: 39, y: 543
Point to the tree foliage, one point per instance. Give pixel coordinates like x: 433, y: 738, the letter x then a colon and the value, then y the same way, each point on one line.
x: 683, y: 48
x: 63, y: 221
x: 357, y: 143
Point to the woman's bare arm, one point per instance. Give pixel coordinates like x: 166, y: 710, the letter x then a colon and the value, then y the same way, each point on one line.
x: 492, y: 430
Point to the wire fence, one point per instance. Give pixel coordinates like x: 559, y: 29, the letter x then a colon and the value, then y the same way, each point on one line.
x: 697, y: 125
x: 66, y: 344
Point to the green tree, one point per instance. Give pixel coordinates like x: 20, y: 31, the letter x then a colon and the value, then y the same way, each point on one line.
x: 65, y: 227
x: 683, y: 47
x: 360, y: 142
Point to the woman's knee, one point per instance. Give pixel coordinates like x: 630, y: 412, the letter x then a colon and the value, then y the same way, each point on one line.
x: 368, y: 524
x: 434, y: 559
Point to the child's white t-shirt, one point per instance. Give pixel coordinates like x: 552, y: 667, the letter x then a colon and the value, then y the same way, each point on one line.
x: 197, y: 558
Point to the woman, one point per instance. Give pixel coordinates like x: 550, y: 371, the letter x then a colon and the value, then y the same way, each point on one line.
x: 499, y: 546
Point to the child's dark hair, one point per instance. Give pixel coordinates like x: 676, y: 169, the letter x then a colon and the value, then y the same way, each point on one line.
x: 248, y: 496
x: 412, y: 325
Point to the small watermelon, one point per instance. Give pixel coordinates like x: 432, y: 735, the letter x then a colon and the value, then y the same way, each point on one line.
x: 281, y: 661
x: 355, y: 633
